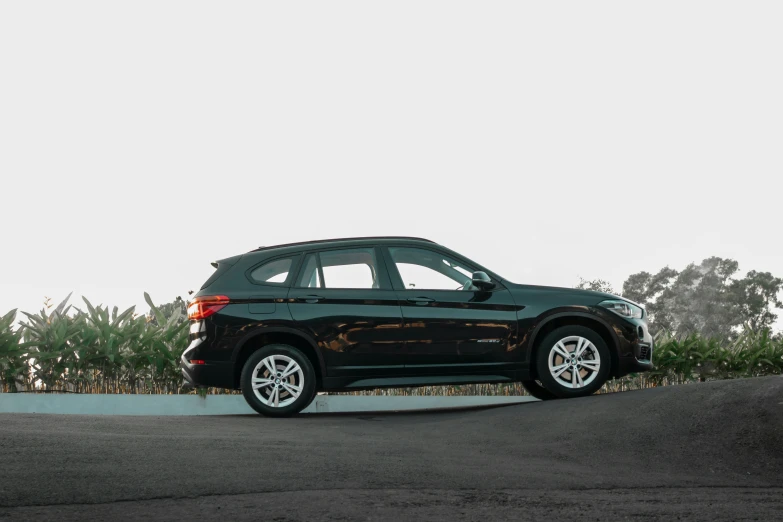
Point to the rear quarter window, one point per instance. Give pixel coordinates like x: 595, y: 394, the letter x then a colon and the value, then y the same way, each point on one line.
x: 275, y: 271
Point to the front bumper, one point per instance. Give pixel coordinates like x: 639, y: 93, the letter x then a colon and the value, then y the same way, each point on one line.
x: 640, y: 361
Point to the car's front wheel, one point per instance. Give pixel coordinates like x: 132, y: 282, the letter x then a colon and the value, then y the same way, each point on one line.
x: 278, y: 380
x: 535, y: 389
x: 573, y: 361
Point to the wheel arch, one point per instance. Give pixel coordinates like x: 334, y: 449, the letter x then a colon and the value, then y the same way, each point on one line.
x: 278, y: 335
x: 595, y: 323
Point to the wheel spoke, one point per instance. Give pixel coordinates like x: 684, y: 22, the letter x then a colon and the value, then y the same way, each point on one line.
x: 579, y: 381
x: 591, y: 365
x: 269, y: 362
x: 276, y: 397
x: 557, y: 371
x: 573, y: 378
x: 261, y: 397
x: 561, y: 349
x: 582, y: 346
x: 293, y: 390
x: 291, y: 368
x: 261, y: 383
x: 579, y: 346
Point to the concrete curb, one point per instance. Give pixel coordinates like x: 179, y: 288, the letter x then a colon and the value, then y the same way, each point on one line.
x: 98, y: 404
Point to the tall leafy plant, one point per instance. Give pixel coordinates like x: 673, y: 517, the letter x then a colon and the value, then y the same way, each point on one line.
x: 50, y: 338
x: 14, y: 367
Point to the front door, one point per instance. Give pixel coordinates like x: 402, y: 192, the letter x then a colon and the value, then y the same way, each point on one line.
x: 345, y: 299
x: 451, y: 326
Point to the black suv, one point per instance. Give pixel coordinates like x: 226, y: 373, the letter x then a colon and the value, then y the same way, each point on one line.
x: 283, y: 322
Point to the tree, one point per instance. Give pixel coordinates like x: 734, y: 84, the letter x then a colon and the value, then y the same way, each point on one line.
x: 705, y: 298
x: 599, y: 285
x: 644, y: 287
x: 754, y: 296
x: 698, y: 300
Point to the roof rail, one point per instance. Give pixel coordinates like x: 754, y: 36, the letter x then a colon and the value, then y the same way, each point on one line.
x: 340, y: 239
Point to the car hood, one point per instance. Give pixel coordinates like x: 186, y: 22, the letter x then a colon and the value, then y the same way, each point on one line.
x: 576, y: 292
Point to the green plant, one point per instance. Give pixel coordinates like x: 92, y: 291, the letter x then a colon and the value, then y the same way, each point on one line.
x: 49, y: 337
x: 93, y: 351
x: 13, y: 355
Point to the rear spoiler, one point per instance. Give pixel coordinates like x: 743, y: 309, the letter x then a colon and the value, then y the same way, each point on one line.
x: 221, y: 266
x: 230, y: 261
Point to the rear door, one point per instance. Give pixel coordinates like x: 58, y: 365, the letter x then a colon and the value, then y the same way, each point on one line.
x: 345, y: 299
x: 449, y: 325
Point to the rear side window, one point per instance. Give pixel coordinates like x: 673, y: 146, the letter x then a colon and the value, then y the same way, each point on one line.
x: 275, y: 271
x: 348, y: 268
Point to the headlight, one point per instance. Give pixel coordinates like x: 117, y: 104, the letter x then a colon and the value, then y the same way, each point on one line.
x: 623, y: 308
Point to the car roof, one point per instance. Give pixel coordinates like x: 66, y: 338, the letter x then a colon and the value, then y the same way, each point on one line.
x: 287, y: 248
x: 346, y: 240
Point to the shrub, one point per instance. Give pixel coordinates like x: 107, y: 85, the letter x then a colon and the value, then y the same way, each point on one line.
x: 93, y: 351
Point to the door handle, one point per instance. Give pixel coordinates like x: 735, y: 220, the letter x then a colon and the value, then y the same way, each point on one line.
x: 310, y: 298
x: 421, y: 301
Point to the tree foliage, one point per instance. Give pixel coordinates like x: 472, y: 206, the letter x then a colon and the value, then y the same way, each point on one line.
x: 178, y: 306
x: 598, y: 285
x: 706, y: 299
x: 98, y: 350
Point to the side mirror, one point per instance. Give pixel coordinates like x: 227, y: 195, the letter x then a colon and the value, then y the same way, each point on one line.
x: 482, y: 281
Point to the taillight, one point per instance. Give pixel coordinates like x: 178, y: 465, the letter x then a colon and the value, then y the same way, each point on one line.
x: 204, y: 306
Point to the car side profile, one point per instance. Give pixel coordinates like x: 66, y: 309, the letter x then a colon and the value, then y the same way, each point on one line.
x: 281, y: 323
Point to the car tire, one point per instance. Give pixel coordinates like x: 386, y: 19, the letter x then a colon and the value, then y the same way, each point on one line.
x: 573, y: 361
x: 284, y: 392
x: 535, y: 389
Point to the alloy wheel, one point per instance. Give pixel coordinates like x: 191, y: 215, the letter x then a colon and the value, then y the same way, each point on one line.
x: 574, y: 362
x: 277, y: 380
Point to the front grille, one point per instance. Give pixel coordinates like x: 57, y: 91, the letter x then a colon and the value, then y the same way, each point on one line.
x: 644, y: 352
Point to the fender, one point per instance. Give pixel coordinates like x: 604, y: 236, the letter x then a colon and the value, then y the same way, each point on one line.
x: 558, y: 315
x: 280, y: 329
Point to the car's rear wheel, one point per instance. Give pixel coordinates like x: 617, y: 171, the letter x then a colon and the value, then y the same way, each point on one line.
x: 573, y: 361
x: 278, y: 380
x: 535, y: 389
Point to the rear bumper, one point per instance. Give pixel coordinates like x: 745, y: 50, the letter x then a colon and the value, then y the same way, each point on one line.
x: 213, y: 374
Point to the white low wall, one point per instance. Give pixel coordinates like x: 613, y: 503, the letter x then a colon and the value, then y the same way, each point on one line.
x: 97, y: 404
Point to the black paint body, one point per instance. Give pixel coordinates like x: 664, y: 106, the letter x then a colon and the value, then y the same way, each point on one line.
x: 392, y: 336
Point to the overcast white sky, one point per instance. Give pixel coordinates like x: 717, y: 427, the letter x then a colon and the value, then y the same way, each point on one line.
x: 547, y: 140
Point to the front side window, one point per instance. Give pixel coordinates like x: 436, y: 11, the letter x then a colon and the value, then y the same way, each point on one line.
x: 349, y: 268
x: 275, y: 271
x: 422, y: 269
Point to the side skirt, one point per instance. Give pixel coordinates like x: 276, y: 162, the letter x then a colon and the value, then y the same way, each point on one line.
x: 370, y: 383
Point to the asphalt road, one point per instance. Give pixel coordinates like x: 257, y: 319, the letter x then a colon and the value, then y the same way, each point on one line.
x: 710, y: 451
